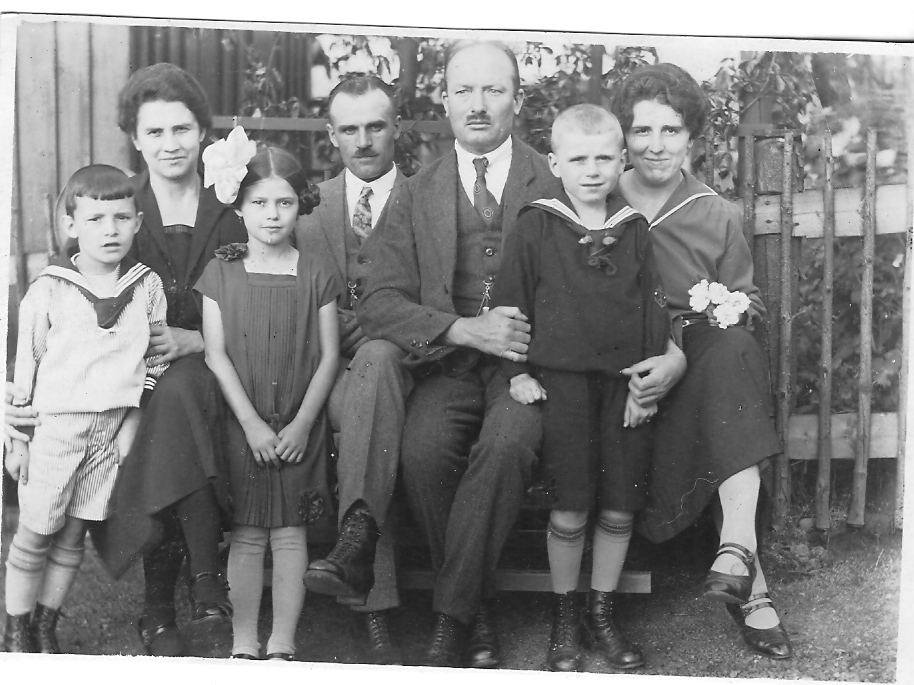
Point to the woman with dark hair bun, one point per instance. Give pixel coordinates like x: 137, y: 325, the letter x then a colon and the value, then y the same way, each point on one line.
x: 714, y: 428
x: 171, y: 490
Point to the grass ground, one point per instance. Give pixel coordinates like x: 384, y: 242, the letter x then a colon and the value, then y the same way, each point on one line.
x: 838, y: 597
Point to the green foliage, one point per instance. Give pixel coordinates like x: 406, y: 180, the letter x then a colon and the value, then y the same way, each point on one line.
x: 887, y: 324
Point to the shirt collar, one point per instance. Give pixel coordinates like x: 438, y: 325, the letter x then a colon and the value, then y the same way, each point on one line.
x: 379, y: 186
x: 498, y: 156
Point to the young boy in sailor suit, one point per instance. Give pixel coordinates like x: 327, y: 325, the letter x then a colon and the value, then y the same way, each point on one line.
x: 83, y: 331
x: 579, y: 265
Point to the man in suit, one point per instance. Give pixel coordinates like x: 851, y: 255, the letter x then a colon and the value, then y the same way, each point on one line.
x: 468, y: 449
x: 367, y: 403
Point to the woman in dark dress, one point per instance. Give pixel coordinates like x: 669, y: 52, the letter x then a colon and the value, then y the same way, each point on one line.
x: 714, y: 428
x: 171, y: 489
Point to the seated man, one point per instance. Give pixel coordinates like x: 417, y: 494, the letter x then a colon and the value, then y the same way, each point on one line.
x: 468, y: 449
x: 366, y: 406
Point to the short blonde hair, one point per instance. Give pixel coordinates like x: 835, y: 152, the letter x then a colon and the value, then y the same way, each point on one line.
x: 587, y: 119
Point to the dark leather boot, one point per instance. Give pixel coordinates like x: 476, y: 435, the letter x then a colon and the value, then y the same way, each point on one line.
x: 348, y: 571
x: 482, y: 649
x: 44, y: 629
x: 381, y: 645
x: 445, y: 649
x: 602, y: 633
x: 565, y: 640
x: 18, y: 635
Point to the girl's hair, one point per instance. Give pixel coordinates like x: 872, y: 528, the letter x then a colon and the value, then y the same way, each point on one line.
x: 166, y: 83
x: 96, y: 181
x: 274, y: 161
x: 667, y: 84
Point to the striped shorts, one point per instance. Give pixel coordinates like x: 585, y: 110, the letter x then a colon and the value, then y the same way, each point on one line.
x: 72, y: 469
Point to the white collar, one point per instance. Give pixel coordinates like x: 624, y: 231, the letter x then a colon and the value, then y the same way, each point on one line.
x: 497, y: 156
x: 380, y: 186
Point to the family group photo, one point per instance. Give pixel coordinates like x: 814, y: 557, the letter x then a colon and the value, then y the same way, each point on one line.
x: 397, y: 348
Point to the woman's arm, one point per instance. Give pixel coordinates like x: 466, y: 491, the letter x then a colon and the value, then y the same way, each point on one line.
x: 661, y: 373
x: 173, y: 343
x: 259, y: 435
x: 294, y: 437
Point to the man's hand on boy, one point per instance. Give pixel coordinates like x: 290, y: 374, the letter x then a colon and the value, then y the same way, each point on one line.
x: 17, y: 461
x: 169, y: 343
x: 526, y: 389
x: 635, y: 414
x: 17, y: 414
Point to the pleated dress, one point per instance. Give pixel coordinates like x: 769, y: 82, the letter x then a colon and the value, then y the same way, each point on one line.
x: 272, y: 338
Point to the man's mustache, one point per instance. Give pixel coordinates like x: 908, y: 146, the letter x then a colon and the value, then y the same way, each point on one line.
x: 362, y: 154
x: 479, y: 119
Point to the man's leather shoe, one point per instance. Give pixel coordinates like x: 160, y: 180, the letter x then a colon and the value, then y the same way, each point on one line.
x: 348, y: 571
x: 381, y: 646
x: 482, y: 650
x: 446, y: 646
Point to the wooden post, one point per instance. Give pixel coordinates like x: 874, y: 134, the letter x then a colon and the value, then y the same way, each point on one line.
x: 865, y: 376
x: 782, y: 471
x: 595, y: 83
x: 747, y: 188
x: 823, y: 477
x: 905, y: 307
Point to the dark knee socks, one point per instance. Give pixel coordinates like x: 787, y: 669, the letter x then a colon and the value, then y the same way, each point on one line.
x: 198, y: 514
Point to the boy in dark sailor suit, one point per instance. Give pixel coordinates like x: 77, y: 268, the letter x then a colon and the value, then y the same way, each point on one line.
x: 83, y: 332
x: 579, y: 266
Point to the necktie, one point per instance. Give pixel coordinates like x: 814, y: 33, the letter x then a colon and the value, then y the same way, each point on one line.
x: 361, y: 218
x: 483, y: 200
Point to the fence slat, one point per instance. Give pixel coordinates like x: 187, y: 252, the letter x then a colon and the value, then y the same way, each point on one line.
x: 891, y: 212
x: 865, y: 379
x: 823, y: 477
x: 803, y: 436
x: 782, y: 472
x: 110, y: 71
x: 74, y: 90
x: 36, y: 112
x: 905, y: 307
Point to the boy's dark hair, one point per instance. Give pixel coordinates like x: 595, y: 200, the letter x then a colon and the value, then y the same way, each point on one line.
x: 161, y: 82
x: 274, y: 161
x: 99, y: 182
x: 668, y: 84
x: 361, y: 84
x: 458, y: 46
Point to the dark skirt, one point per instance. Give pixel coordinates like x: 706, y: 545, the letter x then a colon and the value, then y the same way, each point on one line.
x: 178, y: 450
x: 589, y: 459
x: 715, y: 423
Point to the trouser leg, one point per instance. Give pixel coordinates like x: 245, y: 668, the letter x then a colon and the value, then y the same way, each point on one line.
x: 443, y: 417
x: 488, y: 498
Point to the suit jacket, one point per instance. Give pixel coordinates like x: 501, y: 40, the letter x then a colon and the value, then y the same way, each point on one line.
x: 216, y: 225
x: 321, y: 233
x: 409, y: 296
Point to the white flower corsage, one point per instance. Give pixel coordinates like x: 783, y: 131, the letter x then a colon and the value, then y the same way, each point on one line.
x: 225, y: 164
x: 717, y: 301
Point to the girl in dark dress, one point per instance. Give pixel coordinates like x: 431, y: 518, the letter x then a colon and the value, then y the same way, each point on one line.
x: 272, y: 341
x: 714, y: 428
x: 170, y: 488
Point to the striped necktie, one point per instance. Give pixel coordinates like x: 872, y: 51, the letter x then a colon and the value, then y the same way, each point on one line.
x: 361, y: 217
x: 483, y: 200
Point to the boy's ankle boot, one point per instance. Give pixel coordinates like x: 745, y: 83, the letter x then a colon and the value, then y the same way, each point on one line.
x: 18, y: 635
x: 44, y: 629
x: 603, y: 634
x: 565, y: 640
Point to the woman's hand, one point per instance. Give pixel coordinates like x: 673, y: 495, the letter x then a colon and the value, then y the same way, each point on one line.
x: 263, y: 442
x: 170, y: 343
x: 526, y: 389
x: 293, y: 439
x: 17, y: 414
x: 635, y: 414
x: 17, y: 461
x: 660, y: 374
